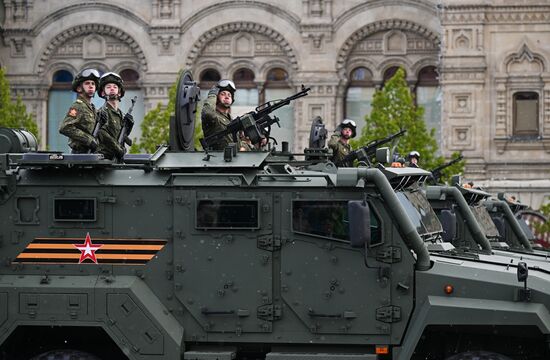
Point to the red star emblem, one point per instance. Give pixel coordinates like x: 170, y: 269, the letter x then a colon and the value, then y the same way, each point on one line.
x: 88, y: 249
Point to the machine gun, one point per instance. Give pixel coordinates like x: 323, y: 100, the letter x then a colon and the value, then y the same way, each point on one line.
x: 438, y: 171
x: 366, y: 152
x: 127, y: 126
x: 256, y: 123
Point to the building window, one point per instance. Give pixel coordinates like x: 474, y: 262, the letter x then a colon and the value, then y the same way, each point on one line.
x: 60, y: 99
x: 130, y: 77
x: 277, y: 87
x: 359, y: 96
x: 428, y: 95
x: 208, y: 78
x: 390, y: 72
x: 526, y: 114
x: 247, y: 95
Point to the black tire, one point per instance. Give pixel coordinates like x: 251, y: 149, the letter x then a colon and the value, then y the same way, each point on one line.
x: 478, y: 355
x: 65, y: 355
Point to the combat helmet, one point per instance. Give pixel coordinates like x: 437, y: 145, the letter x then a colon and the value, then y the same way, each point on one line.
x: 227, y: 85
x: 348, y: 123
x: 86, y: 74
x: 414, y: 154
x: 111, y: 78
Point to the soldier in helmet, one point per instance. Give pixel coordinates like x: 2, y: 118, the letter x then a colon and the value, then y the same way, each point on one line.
x: 216, y: 112
x: 339, y: 142
x: 414, y: 157
x: 80, y: 120
x: 216, y: 115
x: 111, y: 88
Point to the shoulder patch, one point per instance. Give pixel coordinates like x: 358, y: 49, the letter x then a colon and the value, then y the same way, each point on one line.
x: 72, y: 112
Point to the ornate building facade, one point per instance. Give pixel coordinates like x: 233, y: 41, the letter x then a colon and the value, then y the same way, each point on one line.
x: 480, y: 68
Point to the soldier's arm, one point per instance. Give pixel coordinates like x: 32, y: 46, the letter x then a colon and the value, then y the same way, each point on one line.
x: 333, y: 142
x: 208, y: 114
x: 69, y: 128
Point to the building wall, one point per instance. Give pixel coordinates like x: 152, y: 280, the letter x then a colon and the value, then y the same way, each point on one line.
x: 485, y: 51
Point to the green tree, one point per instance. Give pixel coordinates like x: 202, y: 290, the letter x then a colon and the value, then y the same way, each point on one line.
x: 393, y: 109
x: 155, y: 128
x: 13, y: 114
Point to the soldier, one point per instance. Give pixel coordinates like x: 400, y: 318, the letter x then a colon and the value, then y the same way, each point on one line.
x: 216, y: 115
x: 339, y: 142
x: 111, y: 88
x: 414, y: 157
x: 216, y: 112
x: 79, y: 122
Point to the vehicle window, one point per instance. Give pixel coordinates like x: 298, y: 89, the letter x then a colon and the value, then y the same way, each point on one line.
x: 74, y: 210
x: 227, y: 214
x: 322, y: 218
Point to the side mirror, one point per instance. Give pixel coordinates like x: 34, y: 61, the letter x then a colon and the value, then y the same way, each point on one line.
x: 523, y: 272
x: 524, y: 294
x: 359, y: 223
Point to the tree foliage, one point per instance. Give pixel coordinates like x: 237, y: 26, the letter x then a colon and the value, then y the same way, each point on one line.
x: 13, y: 114
x: 393, y: 109
x: 155, y: 128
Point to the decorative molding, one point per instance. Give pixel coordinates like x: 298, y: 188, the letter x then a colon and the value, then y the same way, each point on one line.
x: 245, y: 27
x: 17, y: 11
x: 165, y: 37
x: 393, y: 24
x: 220, y: 7
x: 486, y: 14
x: 87, y: 29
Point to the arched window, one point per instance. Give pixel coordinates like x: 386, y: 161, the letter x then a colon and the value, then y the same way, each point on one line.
x: 278, y: 87
x: 428, y: 95
x: 359, y: 96
x: 132, y: 89
x: 130, y: 77
x: 60, y: 98
x: 389, y: 73
x: 209, y: 76
x: 247, y: 95
x: 207, y: 79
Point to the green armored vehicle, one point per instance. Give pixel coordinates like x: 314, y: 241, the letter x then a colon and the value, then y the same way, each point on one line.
x: 256, y: 255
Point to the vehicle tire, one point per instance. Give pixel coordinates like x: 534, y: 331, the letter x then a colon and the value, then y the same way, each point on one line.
x: 478, y: 355
x: 65, y: 355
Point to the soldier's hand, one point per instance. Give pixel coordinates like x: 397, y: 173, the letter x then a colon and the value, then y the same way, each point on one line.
x: 103, y: 116
x: 93, y: 145
x: 120, y: 151
x: 214, y: 90
x: 128, y: 118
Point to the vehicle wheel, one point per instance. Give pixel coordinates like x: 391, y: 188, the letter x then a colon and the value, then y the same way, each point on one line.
x: 65, y: 355
x: 478, y: 355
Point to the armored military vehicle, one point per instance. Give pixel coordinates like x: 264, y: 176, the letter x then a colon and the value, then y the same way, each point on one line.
x: 244, y: 255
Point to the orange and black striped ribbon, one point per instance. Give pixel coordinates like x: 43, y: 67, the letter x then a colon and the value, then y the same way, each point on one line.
x: 112, y: 251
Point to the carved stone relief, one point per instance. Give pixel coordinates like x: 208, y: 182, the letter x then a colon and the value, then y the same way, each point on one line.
x: 463, y: 105
x: 93, y: 47
x: 461, y: 136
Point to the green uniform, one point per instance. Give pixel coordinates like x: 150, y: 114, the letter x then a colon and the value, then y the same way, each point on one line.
x: 214, y: 121
x: 78, y: 125
x: 339, y: 151
x: 108, y: 135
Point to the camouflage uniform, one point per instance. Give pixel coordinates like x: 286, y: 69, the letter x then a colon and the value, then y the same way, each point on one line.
x: 214, y: 121
x: 339, y: 151
x: 79, y: 124
x: 108, y: 135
